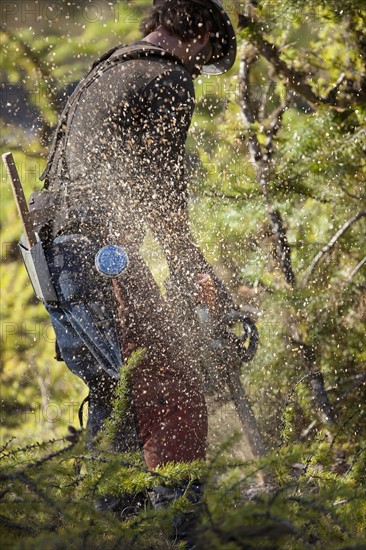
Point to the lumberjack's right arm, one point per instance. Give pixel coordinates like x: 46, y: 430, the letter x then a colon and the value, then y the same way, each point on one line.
x: 169, y: 106
x: 170, y: 103
x: 186, y: 260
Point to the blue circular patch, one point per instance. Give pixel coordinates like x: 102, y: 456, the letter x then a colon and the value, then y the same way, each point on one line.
x: 111, y: 260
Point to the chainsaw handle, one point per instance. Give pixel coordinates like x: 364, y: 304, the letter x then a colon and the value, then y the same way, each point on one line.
x: 249, y: 336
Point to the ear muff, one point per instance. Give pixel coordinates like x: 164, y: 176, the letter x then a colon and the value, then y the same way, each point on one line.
x: 225, y: 17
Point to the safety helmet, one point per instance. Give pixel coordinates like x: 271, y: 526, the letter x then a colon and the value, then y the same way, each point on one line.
x: 225, y: 16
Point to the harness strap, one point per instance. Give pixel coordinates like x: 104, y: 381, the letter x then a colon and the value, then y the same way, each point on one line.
x: 81, y: 410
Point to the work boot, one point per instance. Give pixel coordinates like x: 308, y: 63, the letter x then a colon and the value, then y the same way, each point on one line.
x: 184, y: 523
x: 123, y: 507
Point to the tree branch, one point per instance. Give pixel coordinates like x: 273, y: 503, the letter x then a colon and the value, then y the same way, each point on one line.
x: 264, y: 100
x: 246, y: 105
x: 332, y: 94
x: 363, y: 449
x: 13, y: 525
x: 295, y: 79
x: 283, y: 250
x: 275, y: 123
x: 356, y: 269
x: 328, y: 247
x: 261, y: 160
x: 316, y: 380
x: 359, y: 380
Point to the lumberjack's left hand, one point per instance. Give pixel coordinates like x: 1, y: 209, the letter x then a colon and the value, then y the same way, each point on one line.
x: 207, y: 292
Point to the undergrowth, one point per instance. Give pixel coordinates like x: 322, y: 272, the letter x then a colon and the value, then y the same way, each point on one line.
x: 51, y: 495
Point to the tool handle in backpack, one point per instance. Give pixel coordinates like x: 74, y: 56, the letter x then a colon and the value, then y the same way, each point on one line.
x: 20, y: 199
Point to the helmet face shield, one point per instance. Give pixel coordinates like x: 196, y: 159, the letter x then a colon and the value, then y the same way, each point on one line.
x: 223, y: 38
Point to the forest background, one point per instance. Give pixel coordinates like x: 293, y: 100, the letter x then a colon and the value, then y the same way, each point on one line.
x: 276, y: 167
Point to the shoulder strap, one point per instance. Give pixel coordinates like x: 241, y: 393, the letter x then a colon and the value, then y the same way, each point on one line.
x: 114, y: 56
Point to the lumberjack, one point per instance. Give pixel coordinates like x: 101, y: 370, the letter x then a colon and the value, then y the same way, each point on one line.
x: 115, y: 168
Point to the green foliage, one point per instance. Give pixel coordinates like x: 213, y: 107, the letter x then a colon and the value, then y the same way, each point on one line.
x: 305, y: 503
x: 316, y: 495
x: 122, y: 402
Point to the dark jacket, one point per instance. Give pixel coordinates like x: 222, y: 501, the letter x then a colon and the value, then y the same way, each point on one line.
x: 119, y: 153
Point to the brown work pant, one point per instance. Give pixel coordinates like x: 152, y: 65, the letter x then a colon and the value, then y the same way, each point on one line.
x: 166, y: 388
x: 171, y: 416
